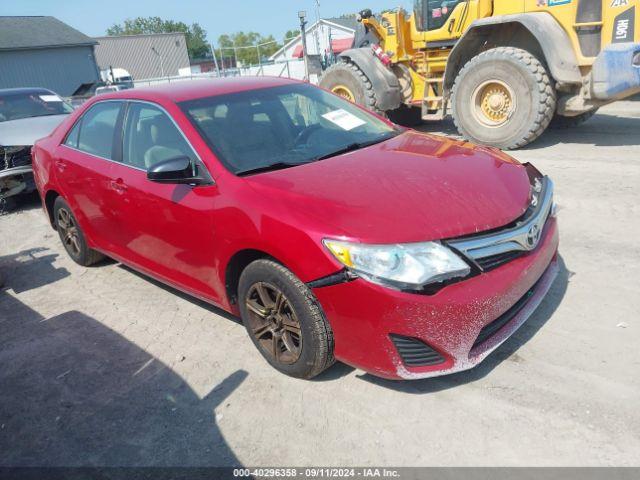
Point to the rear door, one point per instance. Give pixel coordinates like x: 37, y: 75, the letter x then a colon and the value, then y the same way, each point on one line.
x: 84, y: 163
x: 169, y: 229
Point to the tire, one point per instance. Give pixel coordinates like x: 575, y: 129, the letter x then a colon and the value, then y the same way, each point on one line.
x: 297, y: 304
x: 560, y: 122
x: 346, y: 76
x: 527, y: 85
x: 71, y: 235
x: 406, y: 116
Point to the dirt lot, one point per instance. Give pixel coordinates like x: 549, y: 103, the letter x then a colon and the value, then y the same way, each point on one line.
x: 103, y: 366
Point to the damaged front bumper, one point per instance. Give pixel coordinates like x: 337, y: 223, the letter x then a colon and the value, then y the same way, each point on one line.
x: 16, y: 173
x: 383, y: 331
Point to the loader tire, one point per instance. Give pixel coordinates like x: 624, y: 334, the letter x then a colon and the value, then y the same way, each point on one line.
x: 560, y: 122
x: 504, y: 98
x: 346, y: 80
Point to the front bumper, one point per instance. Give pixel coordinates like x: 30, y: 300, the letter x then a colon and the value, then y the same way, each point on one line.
x: 364, y: 315
x: 616, y: 72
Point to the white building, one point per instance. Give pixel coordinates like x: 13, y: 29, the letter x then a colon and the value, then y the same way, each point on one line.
x: 330, y: 34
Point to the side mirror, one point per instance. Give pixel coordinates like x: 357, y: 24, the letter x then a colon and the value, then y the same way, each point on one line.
x: 177, y: 170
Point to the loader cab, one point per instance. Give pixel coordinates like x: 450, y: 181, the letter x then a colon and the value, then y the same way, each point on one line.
x: 433, y: 14
x: 445, y: 20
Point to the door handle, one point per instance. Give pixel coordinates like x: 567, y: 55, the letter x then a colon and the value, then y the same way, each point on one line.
x: 61, y: 165
x: 118, y: 185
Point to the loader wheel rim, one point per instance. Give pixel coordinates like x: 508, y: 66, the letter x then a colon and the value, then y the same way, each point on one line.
x: 344, y: 92
x: 493, y: 103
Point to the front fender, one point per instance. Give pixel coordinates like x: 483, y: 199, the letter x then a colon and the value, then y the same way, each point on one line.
x: 554, y: 42
x: 384, y: 81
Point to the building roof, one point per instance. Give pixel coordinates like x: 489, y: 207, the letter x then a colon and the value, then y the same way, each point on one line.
x: 344, y: 23
x: 349, y: 22
x: 38, y: 32
x: 138, y: 35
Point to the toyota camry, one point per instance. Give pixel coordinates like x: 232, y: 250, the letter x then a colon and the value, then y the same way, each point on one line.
x: 332, y: 232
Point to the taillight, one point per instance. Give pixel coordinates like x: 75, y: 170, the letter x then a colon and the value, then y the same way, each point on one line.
x: 381, y: 54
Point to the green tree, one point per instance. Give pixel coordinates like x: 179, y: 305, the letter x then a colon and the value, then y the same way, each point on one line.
x: 245, y: 46
x: 290, y: 35
x: 196, y: 36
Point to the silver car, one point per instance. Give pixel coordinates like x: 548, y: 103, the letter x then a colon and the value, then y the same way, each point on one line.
x: 26, y: 115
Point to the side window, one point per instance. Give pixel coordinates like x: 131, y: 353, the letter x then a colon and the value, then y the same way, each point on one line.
x: 439, y: 11
x: 97, y: 129
x: 151, y: 137
x: 74, y: 134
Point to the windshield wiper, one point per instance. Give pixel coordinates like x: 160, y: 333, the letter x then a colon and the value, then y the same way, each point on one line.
x: 349, y: 148
x: 357, y: 146
x: 267, y: 168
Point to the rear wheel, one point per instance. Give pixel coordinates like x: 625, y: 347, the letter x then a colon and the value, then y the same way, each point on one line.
x: 346, y: 80
x: 284, y: 320
x: 561, y: 122
x: 504, y: 98
x: 71, y: 235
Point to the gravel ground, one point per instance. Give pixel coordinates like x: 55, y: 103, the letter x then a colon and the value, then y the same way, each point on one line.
x: 102, y: 366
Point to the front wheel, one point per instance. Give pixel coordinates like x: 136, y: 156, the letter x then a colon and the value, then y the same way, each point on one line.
x: 346, y: 80
x: 504, y: 98
x: 284, y: 320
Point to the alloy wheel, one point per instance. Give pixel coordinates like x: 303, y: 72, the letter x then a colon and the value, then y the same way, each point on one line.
x: 273, y: 323
x: 69, y: 232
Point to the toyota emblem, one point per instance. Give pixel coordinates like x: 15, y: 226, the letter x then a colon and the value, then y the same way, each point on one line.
x: 533, y: 235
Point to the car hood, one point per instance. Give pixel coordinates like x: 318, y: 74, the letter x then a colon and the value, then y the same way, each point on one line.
x: 414, y: 187
x: 26, y: 131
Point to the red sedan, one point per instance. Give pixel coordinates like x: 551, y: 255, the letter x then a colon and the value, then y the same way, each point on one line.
x: 333, y: 233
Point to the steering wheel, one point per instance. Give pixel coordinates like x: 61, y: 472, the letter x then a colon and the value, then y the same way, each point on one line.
x: 304, y: 135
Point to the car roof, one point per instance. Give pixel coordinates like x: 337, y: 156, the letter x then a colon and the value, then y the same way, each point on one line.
x: 184, y: 90
x: 23, y: 91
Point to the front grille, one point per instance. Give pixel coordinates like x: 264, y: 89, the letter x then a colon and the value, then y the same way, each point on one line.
x: 494, y: 261
x: 491, y: 249
x: 11, y: 157
x: 414, y: 352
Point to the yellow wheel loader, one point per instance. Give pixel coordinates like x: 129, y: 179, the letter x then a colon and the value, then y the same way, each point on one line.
x: 504, y: 69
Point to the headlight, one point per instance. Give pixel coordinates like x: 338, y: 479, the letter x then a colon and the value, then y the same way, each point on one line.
x: 408, y: 266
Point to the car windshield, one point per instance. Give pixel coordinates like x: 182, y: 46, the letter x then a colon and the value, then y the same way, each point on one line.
x: 14, y: 106
x: 283, y: 126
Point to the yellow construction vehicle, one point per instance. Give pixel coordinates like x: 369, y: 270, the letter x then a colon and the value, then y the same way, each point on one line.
x: 505, y: 69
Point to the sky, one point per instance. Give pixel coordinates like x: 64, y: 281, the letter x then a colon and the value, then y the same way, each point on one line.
x: 215, y: 16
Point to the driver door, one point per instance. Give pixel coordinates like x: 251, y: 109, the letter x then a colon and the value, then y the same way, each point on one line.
x: 168, y: 229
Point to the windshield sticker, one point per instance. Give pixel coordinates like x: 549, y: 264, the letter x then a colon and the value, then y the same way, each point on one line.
x: 50, y: 98
x: 344, y: 119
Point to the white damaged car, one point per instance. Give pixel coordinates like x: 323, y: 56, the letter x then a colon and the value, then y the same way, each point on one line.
x: 26, y: 115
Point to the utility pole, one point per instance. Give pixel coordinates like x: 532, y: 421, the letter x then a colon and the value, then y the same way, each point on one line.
x: 303, y: 34
x: 215, y: 60
x: 318, y: 28
x: 235, y: 53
